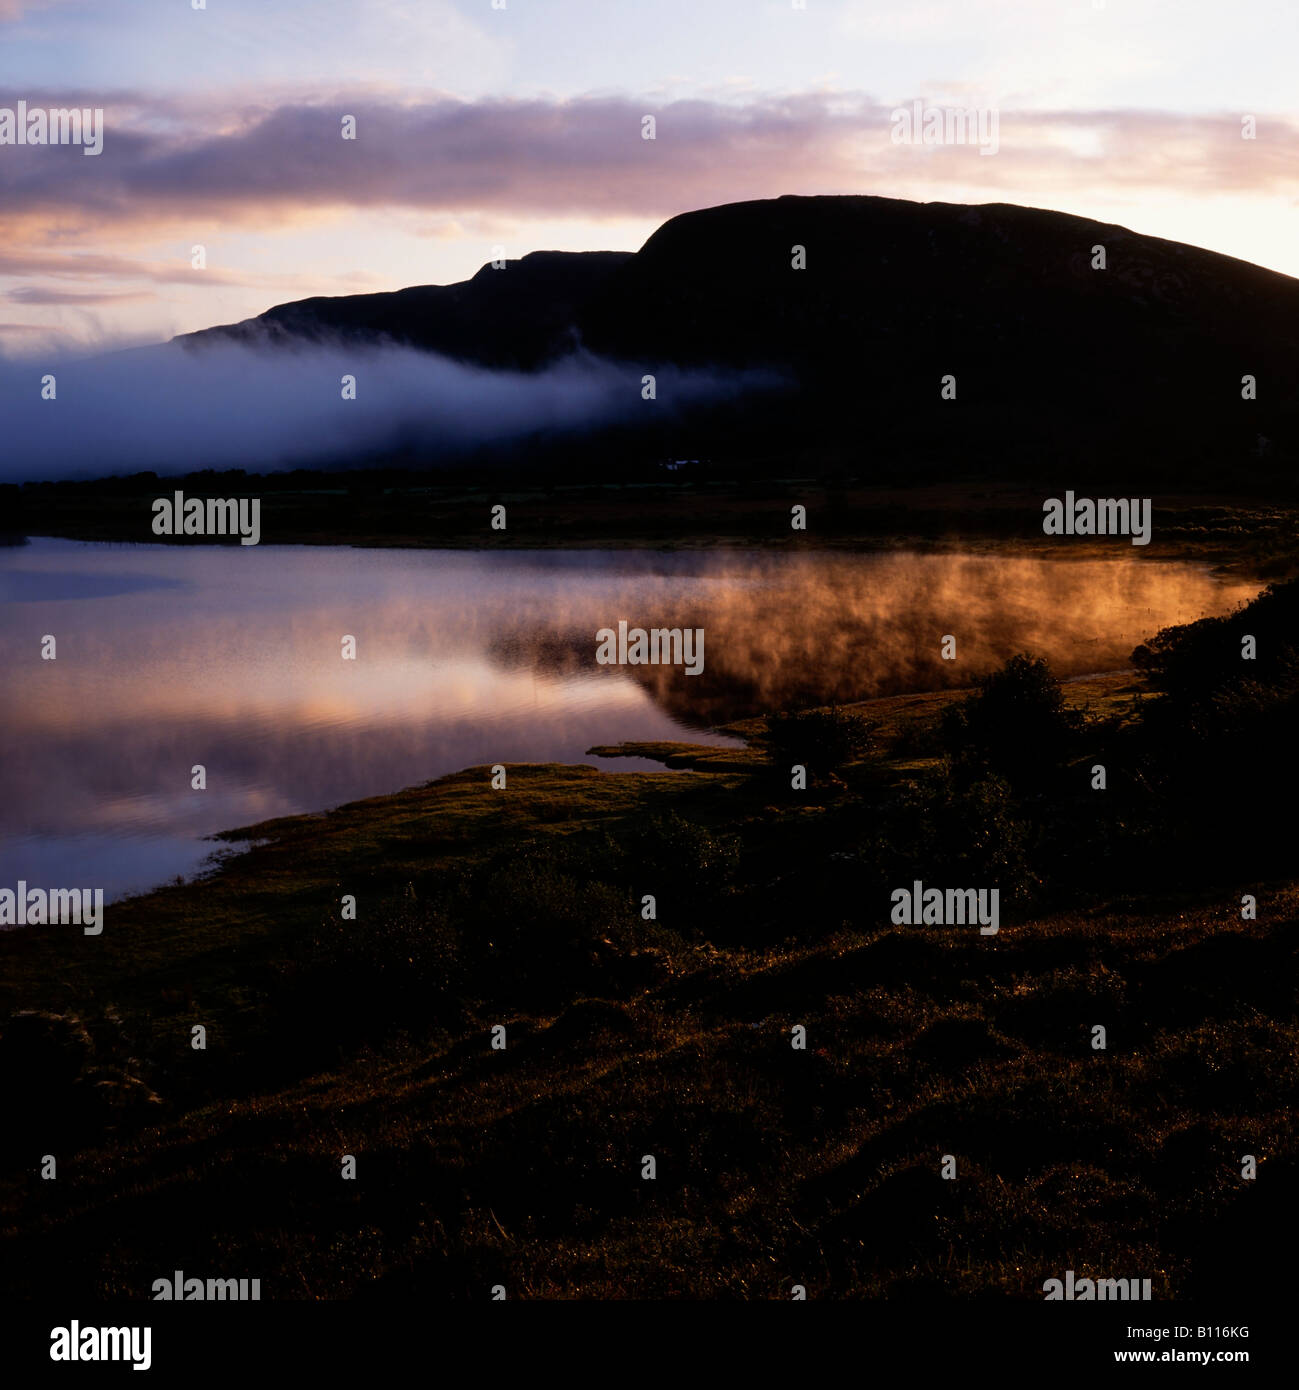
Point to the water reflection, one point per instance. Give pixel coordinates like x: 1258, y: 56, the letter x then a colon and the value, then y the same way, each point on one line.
x: 230, y: 657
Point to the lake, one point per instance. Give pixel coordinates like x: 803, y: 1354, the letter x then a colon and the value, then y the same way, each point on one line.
x: 169, y: 656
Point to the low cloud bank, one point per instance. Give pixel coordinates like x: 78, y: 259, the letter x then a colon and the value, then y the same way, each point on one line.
x: 173, y: 409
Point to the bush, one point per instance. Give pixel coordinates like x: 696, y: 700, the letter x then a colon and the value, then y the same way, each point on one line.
x: 1017, y: 725
x: 952, y: 829
x: 1197, y: 662
x: 822, y: 740
x: 685, y: 866
x: 698, y: 858
x: 530, y: 912
x: 1221, y: 725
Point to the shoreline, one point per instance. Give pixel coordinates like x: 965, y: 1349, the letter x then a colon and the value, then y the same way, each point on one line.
x: 1217, y: 561
x: 898, y: 718
x: 1234, y: 534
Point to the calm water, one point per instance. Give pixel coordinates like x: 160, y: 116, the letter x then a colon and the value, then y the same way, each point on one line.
x: 169, y: 656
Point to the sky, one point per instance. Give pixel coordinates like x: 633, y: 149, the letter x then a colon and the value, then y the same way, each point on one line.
x: 484, y: 126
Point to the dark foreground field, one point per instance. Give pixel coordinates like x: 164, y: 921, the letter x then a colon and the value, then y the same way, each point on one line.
x: 627, y: 1038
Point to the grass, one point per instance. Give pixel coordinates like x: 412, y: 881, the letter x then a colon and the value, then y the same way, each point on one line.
x: 1246, y: 534
x: 669, y: 1038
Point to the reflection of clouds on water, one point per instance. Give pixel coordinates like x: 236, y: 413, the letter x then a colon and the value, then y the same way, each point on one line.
x: 230, y: 657
x: 36, y: 586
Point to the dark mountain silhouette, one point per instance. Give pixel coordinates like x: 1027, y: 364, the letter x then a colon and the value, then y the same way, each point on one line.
x: 519, y: 317
x: 1132, y: 371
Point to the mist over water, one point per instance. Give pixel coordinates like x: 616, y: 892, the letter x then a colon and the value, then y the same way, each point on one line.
x: 230, y: 657
x: 170, y: 409
x: 810, y: 628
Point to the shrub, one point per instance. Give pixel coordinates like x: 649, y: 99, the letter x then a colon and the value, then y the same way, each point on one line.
x: 954, y: 829
x: 672, y: 849
x: 1017, y: 725
x: 1196, y: 662
x: 822, y: 740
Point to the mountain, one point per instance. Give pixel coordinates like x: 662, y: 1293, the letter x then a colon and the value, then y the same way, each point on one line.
x: 517, y: 317
x: 1134, y: 370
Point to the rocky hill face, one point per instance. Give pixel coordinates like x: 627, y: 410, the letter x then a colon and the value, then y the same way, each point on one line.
x: 1136, y: 364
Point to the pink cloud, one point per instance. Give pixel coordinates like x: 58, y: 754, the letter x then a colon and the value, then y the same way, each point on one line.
x: 586, y: 157
x: 30, y: 294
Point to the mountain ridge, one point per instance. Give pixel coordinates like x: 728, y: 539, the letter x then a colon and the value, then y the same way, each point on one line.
x: 917, y: 328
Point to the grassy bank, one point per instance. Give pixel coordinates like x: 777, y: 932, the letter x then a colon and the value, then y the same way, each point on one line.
x: 671, y: 1037
x: 1247, y: 534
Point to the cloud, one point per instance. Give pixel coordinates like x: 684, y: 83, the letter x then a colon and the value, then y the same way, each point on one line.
x: 30, y: 294
x: 15, y: 260
x: 586, y: 157
x: 171, y: 409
